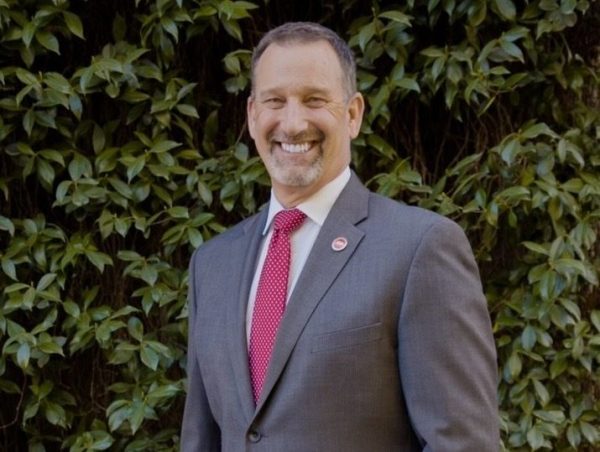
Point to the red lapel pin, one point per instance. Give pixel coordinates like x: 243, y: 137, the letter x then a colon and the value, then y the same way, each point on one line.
x: 339, y: 244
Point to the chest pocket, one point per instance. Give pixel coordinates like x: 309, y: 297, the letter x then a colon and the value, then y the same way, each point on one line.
x: 347, y: 338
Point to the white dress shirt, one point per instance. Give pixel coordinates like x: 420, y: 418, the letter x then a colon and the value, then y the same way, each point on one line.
x: 316, y: 208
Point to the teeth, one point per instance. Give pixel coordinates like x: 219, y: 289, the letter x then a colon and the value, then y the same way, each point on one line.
x: 295, y: 148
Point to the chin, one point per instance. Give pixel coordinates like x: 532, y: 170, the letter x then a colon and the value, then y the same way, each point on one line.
x: 297, y: 177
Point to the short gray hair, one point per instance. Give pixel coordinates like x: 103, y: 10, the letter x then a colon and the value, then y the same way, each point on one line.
x: 308, y: 32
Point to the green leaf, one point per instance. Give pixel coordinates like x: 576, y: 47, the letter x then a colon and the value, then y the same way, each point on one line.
x: 135, y: 167
x: 382, y: 146
x: 16, y: 287
x: 28, y: 33
x: 72, y: 309
x: 528, y: 337
x: 541, y: 392
x: 170, y: 27
x: 365, y: 35
x: 27, y: 78
x: 536, y: 248
x: 45, y: 171
x: 99, y: 259
x: 7, y: 225
x: 477, y: 13
x: 512, y: 49
x: 149, y: 274
x: 9, y: 387
x: 118, y: 416
x: 554, y: 416
x: 574, y: 436
x: 75, y: 105
x: 188, y: 110
x: 74, y: 24
x: 205, y: 193
x: 515, y: 34
x: 122, y: 188
x: 163, y: 392
x: 535, y: 438
x: 409, y: 84
x: 9, y: 268
x: 232, y: 28
x: 29, y: 121
x: 57, y: 82
x: 510, y: 150
x: 103, y: 440
x: 31, y: 409
x: 195, y: 237
x: 135, y: 328
x: 80, y: 166
x: 536, y: 130
x: 23, y: 355
x: 149, y: 357
x: 434, y: 52
x: 164, y: 146
x: 204, y: 11
x: 27, y: 55
x: 50, y: 347
x: 506, y: 8
x: 138, y: 410
x: 595, y: 318
x: 45, y: 281
x: 179, y: 212
x: 48, y: 40
x: 129, y: 256
x: 514, y: 195
x: 589, y: 432
x: 397, y: 16
x: 514, y: 365
x: 98, y: 138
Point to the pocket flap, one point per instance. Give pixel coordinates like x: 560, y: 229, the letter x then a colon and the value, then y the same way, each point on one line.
x: 347, y: 338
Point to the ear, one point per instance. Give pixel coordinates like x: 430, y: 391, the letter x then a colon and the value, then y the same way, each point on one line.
x: 356, y: 108
x: 250, y: 115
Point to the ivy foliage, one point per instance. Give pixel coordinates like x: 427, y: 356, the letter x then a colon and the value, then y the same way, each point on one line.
x: 123, y: 147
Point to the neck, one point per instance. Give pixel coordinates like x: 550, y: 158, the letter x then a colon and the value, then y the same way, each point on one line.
x: 290, y: 197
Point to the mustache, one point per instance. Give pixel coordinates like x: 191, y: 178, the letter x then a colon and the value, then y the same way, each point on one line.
x: 300, y: 137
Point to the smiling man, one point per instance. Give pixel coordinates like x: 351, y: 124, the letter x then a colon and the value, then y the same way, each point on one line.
x: 302, y: 115
x: 335, y: 319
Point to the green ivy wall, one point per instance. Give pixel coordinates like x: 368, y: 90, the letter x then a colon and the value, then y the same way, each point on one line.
x: 123, y: 147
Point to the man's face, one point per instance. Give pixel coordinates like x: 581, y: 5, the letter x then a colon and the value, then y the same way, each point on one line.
x: 300, y: 118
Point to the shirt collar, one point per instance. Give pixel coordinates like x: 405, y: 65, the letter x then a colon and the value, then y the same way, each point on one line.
x: 316, y: 207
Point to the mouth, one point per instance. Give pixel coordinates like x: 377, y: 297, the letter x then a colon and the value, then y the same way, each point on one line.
x: 296, y: 148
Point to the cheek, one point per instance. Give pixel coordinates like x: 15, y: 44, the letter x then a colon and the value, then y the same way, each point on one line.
x: 264, y: 123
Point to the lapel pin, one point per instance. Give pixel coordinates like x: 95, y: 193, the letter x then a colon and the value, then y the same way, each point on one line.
x: 339, y: 244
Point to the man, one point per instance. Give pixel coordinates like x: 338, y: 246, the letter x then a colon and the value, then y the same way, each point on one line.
x: 335, y: 319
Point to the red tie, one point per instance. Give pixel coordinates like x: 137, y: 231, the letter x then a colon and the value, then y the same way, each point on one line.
x: 271, y: 295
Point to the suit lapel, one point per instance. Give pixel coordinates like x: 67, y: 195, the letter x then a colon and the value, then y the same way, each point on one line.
x: 321, y: 269
x: 245, y: 247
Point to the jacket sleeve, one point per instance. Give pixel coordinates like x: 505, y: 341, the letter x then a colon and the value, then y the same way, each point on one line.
x: 199, y: 431
x: 446, y: 351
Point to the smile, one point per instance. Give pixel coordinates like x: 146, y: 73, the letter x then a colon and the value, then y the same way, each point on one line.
x: 296, y: 148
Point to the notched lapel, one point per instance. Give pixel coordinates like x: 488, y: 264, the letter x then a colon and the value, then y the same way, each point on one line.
x: 320, y: 271
x: 245, y: 248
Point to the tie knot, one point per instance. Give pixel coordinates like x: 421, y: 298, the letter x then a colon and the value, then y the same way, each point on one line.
x: 288, y: 221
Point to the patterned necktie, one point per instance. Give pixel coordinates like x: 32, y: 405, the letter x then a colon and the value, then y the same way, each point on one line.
x: 271, y: 295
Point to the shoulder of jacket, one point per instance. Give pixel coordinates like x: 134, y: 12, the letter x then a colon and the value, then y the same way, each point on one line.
x: 217, y: 243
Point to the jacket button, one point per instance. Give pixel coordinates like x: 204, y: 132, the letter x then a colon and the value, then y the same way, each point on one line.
x: 254, y: 436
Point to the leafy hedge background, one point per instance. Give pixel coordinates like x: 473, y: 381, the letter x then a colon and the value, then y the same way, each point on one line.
x: 123, y: 147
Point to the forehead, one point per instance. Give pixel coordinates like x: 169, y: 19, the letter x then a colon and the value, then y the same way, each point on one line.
x: 298, y: 64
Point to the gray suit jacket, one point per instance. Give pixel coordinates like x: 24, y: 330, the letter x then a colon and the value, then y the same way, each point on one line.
x: 384, y: 346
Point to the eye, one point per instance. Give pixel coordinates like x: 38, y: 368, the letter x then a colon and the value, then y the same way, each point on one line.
x: 315, y: 102
x: 274, y: 102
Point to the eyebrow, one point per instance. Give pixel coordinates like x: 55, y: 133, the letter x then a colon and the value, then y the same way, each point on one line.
x: 312, y: 90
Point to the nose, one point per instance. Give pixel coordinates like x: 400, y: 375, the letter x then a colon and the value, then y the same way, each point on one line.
x: 293, y: 119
